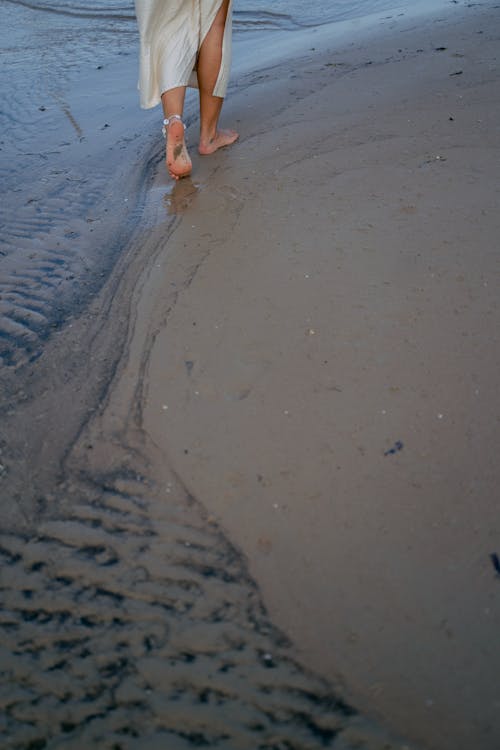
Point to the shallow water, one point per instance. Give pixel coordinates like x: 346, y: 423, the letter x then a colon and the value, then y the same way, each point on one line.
x: 255, y: 14
x: 58, y: 168
x: 249, y: 14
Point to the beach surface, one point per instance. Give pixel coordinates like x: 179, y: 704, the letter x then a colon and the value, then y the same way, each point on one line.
x: 327, y: 379
x: 262, y: 486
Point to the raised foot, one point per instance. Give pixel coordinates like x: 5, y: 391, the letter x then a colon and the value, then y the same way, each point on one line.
x: 222, y: 138
x: 177, y: 156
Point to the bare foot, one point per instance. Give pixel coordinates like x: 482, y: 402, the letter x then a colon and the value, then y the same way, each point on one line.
x: 178, y: 159
x: 222, y: 138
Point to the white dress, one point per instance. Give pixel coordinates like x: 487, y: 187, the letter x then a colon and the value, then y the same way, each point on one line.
x: 171, y: 33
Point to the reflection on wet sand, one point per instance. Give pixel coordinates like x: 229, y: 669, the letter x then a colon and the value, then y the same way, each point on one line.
x: 180, y: 197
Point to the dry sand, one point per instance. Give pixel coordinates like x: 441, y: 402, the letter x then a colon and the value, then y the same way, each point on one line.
x: 326, y: 379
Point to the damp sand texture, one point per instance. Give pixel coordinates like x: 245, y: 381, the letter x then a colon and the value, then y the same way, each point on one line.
x: 330, y: 370
x: 250, y: 488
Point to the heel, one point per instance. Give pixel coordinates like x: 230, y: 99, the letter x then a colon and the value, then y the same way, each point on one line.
x: 177, y: 156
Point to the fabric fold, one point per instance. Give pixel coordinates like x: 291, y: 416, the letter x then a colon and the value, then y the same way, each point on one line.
x: 171, y: 34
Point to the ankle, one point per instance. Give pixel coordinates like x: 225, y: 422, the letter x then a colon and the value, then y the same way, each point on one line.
x: 207, y: 135
x: 171, y: 120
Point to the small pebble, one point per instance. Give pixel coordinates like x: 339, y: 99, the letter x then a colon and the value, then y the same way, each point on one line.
x: 495, y: 561
x: 398, y: 446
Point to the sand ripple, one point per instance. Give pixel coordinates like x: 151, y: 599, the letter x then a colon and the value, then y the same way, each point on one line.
x: 132, y: 622
x: 63, y: 168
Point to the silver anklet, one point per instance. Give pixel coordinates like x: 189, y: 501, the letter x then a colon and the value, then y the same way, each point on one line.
x: 168, y: 120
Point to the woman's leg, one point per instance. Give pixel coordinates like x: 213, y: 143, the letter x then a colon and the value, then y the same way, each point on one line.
x: 177, y: 156
x: 208, y: 67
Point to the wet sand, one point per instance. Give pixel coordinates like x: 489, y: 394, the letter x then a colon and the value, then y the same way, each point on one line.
x: 250, y: 489
x: 326, y: 381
